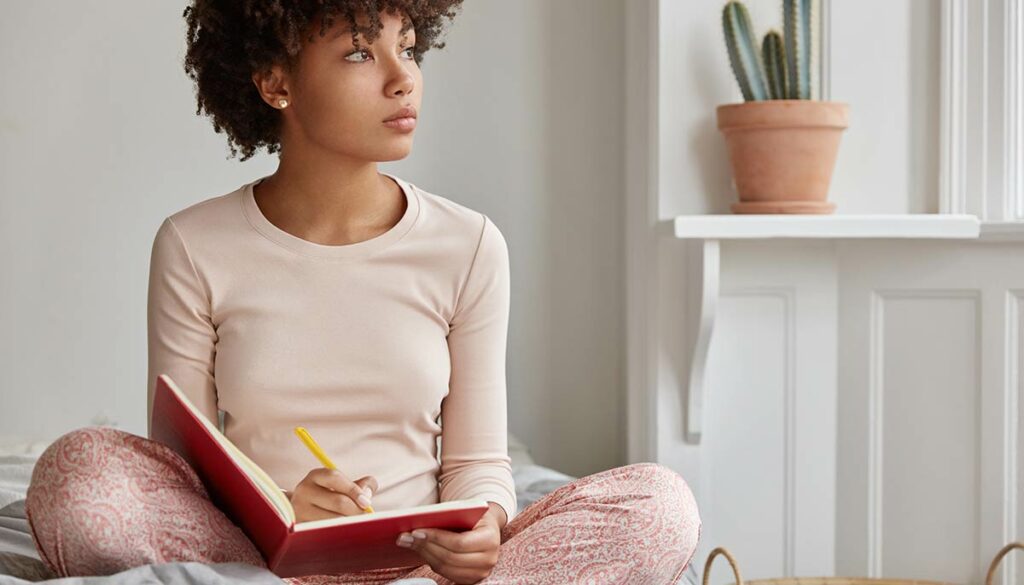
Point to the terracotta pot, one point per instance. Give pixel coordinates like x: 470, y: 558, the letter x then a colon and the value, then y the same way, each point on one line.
x: 783, y: 153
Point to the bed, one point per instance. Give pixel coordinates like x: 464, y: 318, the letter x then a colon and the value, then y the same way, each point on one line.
x: 20, y: 563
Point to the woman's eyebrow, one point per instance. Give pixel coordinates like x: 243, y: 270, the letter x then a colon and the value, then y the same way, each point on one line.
x: 335, y: 36
x: 341, y: 32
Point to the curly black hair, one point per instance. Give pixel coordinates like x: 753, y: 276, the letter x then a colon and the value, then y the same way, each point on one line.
x: 229, y: 40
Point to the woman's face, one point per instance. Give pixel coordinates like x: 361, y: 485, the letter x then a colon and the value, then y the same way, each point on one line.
x: 339, y: 96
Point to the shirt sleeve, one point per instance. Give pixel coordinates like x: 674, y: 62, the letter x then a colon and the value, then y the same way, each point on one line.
x: 181, y: 335
x: 474, y: 426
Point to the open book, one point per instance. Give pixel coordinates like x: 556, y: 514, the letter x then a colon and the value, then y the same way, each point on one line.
x: 251, y: 499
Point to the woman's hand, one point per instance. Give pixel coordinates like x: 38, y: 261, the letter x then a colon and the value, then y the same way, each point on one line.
x: 327, y: 493
x: 463, y: 557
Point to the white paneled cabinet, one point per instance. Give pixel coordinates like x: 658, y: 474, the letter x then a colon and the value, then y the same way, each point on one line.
x: 929, y: 402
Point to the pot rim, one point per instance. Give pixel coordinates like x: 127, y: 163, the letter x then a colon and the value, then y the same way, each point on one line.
x: 782, y: 114
x: 762, y: 103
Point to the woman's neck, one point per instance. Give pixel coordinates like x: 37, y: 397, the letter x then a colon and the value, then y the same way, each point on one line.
x: 331, y: 204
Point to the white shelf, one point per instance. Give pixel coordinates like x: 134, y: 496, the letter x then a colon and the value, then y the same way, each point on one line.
x: 704, y: 264
x: 932, y: 226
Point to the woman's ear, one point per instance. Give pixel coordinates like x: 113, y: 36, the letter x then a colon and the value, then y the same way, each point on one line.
x: 272, y: 84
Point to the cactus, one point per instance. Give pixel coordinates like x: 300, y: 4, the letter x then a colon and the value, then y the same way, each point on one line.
x: 796, y: 15
x: 783, y: 69
x: 774, y: 54
x: 739, y: 39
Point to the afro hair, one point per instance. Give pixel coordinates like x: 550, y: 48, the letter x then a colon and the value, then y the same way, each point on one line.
x: 230, y: 40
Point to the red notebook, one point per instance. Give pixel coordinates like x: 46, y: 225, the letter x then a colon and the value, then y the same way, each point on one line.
x: 260, y: 508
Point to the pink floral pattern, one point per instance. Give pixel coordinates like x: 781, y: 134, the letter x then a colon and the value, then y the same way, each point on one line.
x: 102, y: 500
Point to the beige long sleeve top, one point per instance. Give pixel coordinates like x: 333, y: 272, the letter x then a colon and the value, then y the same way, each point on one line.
x: 377, y: 347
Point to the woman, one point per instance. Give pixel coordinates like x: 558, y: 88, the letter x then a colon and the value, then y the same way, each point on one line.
x: 351, y: 302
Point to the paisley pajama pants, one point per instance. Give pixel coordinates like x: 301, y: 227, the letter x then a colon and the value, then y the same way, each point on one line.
x: 102, y: 500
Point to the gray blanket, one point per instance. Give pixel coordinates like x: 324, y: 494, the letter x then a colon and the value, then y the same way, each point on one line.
x: 20, y: 563
x: 172, y: 574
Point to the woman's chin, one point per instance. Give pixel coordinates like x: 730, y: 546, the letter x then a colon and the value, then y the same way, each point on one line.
x: 396, y: 152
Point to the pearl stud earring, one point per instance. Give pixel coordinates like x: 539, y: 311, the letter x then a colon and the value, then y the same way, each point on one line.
x: 283, y: 103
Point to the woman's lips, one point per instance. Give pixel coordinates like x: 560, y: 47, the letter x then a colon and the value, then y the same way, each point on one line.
x: 402, y: 124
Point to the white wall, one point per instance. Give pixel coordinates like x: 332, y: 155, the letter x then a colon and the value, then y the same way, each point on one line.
x: 887, y: 70
x: 99, y: 142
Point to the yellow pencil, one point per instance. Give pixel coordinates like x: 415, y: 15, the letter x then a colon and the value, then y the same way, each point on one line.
x: 312, y: 445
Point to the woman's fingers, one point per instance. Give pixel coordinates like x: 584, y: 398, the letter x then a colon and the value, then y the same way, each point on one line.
x: 313, y: 511
x: 337, y: 503
x: 463, y: 557
x: 326, y: 493
x: 369, y: 482
x: 459, y: 567
x: 335, y: 480
x: 337, y: 492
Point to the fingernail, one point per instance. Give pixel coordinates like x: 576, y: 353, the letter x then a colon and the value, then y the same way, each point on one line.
x: 419, y: 534
x: 404, y: 540
x: 368, y: 492
x: 363, y: 501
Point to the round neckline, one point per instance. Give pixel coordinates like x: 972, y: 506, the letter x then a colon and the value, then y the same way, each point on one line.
x: 304, y: 247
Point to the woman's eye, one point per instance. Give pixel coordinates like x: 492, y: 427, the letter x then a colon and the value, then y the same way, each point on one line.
x: 363, y: 52
x: 367, y: 53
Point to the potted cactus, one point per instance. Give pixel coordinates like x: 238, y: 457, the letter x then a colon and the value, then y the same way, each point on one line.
x: 782, y: 144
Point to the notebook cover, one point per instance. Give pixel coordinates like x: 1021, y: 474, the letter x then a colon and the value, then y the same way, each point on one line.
x: 366, y: 545
x: 325, y: 550
x: 229, y: 487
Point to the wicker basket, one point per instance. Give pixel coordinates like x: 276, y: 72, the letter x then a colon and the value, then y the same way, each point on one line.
x: 844, y: 580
